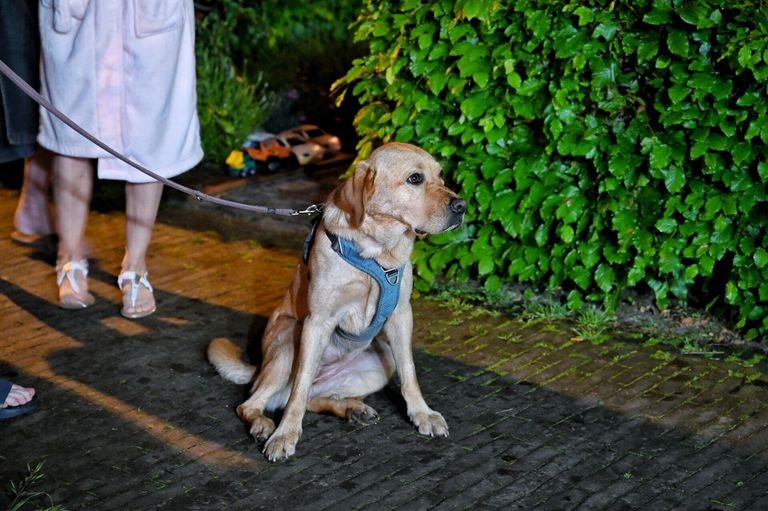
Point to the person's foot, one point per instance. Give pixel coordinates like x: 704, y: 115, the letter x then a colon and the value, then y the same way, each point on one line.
x: 32, y: 223
x: 42, y: 242
x: 32, y: 218
x: 138, y: 294
x: 15, y: 399
x: 72, y: 278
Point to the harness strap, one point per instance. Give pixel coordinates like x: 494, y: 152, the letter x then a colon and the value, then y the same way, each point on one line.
x: 388, y: 280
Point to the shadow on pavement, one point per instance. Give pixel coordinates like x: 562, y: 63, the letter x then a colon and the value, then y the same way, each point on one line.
x: 133, y: 417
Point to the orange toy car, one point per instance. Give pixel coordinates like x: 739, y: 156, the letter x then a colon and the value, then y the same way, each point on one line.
x: 268, y: 152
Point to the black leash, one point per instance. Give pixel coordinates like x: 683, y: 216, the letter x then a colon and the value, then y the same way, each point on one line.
x: 36, y: 97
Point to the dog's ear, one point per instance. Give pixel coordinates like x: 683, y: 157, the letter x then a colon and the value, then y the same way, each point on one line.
x: 353, y: 195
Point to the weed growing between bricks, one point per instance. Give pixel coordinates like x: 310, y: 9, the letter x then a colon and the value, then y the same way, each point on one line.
x: 25, y: 493
x: 677, y: 331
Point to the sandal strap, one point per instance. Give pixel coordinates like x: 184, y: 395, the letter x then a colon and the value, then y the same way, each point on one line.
x: 5, y: 389
x: 136, y: 281
x: 68, y: 269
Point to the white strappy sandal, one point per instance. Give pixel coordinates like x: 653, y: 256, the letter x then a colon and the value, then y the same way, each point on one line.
x: 73, y: 295
x: 129, y: 299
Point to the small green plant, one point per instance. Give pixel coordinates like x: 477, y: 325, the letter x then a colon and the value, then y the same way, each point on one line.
x: 23, y: 495
x: 547, y: 310
x: 664, y: 356
x: 593, y: 324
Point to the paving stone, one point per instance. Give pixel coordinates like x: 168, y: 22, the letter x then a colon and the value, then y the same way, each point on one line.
x: 133, y: 417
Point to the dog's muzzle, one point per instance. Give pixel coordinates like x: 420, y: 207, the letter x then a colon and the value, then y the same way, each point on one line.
x: 456, y: 209
x: 457, y: 206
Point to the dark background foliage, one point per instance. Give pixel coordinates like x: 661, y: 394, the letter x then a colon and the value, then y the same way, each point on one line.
x: 270, y: 64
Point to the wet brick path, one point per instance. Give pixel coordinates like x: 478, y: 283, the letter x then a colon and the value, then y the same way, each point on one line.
x: 133, y: 417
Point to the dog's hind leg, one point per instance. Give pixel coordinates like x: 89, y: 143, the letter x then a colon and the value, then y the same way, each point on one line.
x: 340, y: 388
x: 270, y: 387
x: 352, y: 409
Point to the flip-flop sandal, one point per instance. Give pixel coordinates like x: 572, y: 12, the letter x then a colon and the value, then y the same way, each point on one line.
x: 73, y: 297
x: 10, y: 412
x: 136, y: 281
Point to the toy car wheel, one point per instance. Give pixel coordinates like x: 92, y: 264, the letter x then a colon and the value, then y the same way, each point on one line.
x: 273, y: 165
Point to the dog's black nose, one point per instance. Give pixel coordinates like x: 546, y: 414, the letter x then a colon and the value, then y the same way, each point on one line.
x: 457, y: 205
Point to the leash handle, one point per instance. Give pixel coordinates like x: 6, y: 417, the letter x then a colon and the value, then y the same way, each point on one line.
x: 200, y: 196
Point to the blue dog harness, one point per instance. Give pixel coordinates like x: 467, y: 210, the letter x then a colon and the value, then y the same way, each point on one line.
x: 388, y: 280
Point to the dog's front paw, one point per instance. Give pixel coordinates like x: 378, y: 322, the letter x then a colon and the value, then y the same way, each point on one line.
x: 430, y: 423
x: 280, y: 447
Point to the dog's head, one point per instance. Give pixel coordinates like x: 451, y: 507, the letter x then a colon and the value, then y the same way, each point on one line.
x: 400, y: 183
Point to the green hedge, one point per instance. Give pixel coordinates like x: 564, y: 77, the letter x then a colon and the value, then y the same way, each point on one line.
x: 601, y: 145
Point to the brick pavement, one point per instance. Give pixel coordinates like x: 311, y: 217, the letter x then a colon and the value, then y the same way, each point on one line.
x: 133, y: 417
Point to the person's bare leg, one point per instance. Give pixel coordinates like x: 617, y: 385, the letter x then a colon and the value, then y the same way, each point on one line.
x: 33, y: 218
x: 72, y: 188
x: 141, y: 204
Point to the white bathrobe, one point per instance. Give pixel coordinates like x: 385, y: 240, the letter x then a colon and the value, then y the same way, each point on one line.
x: 125, y: 71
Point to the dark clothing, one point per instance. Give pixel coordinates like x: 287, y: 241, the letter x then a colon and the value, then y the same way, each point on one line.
x: 20, y: 50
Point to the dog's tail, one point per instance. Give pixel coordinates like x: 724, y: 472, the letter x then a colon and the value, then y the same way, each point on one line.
x: 225, y: 357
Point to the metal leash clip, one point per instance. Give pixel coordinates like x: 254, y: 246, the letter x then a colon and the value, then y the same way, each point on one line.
x: 309, y: 210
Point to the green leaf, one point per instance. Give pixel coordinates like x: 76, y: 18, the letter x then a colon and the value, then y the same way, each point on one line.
x: 745, y: 57
x: 493, y: 284
x: 486, y: 265
x: 605, y: 277
x: 474, y: 9
x: 590, y: 253
x: 531, y: 86
x: 604, y: 74
x: 660, y: 155
x: 647, y: 50
x: 762, y: 171
x: 566, y: 233
x: 437, y: 81
x: 741, y: 152
x: 585, y: 15
x: 541, y: 235
x: 748, y: 99
x: 721, y: 88
x: 760, y: 257
x: 657, y: 17
x: 698, y: 149
x: 514, y: 80
x: 605, y: 30
x: 678, y: 93
x: 475, y: 105
x: 666, y: 225
x: 677, y: 42
x: 581, y: 276
x: 674, y: 178
x: 618, y: 164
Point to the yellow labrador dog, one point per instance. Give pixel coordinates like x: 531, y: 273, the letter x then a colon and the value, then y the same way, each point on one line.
x: 319, y: 348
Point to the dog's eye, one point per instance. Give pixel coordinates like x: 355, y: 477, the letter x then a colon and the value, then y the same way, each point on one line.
x: 416, y: 179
